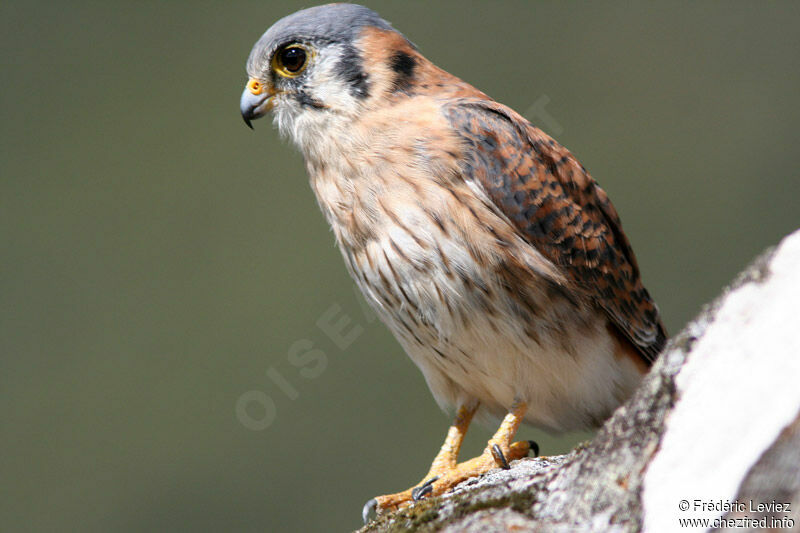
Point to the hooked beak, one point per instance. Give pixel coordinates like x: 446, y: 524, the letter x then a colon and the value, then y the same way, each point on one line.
x: 257, y: 100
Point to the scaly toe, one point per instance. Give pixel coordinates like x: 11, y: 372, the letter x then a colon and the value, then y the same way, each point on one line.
x: 441, y: 479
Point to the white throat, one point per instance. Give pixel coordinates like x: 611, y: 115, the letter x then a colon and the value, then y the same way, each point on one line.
x: 316, y: 131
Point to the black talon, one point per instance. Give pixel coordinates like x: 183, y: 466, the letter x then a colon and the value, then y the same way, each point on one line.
x: 498, y: 455
x: 423, y: 490
x: 534, y: 448
x: 420, y: 492
x: 370, y: 506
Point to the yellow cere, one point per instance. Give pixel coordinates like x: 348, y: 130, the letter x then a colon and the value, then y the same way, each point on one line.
x: 255, y: 86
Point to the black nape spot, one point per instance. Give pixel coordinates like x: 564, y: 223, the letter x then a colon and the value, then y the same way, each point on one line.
x: 349, y: 69
x: 403, y: 65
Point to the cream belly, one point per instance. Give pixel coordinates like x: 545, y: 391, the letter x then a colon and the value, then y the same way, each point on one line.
x: 562, y: 392
x: 473, y: 341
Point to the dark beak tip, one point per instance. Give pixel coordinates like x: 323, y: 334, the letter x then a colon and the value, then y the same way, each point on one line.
x: 247, y: 121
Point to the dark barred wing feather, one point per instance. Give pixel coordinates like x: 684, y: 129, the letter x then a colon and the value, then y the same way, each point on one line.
x: 560, y: 210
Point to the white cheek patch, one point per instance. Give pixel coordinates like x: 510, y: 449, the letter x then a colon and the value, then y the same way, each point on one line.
x: 325, y: 84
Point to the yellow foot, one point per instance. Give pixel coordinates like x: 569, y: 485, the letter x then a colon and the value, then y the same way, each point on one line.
x: 445, y: 473
x: 441, y: 480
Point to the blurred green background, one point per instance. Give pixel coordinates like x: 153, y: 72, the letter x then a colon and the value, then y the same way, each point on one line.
x: 159, y: 259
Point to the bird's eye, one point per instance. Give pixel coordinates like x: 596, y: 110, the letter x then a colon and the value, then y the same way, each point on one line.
x: 290, y: 61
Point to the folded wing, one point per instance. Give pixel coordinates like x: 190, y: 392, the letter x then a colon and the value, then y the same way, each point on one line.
x: 560, y: 210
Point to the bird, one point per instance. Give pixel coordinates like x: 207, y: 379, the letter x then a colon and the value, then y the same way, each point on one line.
x: 496, y: 260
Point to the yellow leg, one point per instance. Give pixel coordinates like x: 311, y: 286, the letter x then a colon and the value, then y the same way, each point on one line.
x: 508, y: 427
x: 448, y: 454
x: 444, y: 462
x: 446, y: 473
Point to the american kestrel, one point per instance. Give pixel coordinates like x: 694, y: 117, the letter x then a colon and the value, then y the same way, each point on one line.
x: 498, y: 263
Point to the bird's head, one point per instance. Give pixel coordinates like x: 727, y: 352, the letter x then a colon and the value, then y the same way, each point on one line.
x: 323, y: 65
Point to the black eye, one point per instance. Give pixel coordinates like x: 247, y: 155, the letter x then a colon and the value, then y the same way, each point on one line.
x: 291, y: 60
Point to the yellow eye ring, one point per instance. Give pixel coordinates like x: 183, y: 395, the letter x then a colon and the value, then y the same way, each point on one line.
x: 291, y: 60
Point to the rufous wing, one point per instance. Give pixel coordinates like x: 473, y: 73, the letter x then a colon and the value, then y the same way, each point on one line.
x: 560, y: 210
